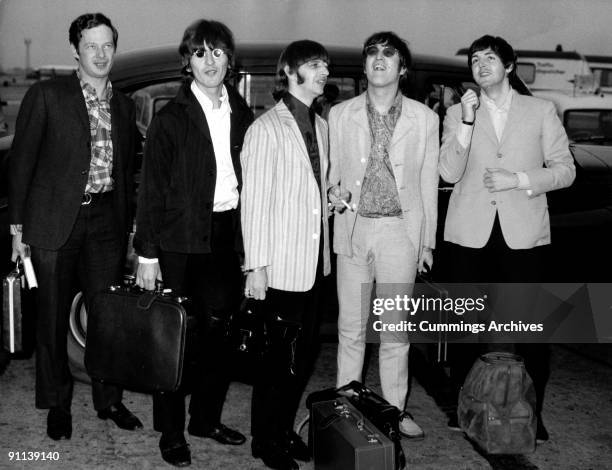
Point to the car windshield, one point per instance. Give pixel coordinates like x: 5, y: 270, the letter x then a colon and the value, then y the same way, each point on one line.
x: 589, y: 125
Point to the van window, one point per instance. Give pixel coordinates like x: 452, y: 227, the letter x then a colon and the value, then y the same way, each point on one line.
x: 257, y: 90
x: 526, y: 71
x: 588, y: 124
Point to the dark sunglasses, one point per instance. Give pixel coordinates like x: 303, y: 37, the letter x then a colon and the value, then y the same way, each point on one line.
x: 217, y: 52
x: 388, y: 51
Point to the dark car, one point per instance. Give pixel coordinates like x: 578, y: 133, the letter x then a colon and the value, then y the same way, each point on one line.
x: 152, y: 77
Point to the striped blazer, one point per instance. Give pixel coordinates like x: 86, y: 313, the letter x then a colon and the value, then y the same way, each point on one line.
x: 282, y: 206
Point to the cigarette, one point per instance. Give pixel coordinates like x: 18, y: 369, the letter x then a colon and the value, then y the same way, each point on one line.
x: 346, y: 204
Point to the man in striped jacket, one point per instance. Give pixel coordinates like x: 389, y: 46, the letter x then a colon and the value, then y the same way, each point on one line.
x: 286, y: 243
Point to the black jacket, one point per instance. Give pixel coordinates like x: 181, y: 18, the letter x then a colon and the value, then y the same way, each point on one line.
x: 176, y: 193
x: 50, y: 157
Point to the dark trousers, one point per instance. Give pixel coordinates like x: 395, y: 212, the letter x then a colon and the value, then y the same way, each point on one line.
x: 276, y: 392
x: 213, y: 281
x: 94, y: 255
x: 497, y: 263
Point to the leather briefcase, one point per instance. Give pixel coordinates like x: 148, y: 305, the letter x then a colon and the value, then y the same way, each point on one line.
x: 18, y: 314
x: 384, y: 416
x: 343, y: 439
x: 137, y: 339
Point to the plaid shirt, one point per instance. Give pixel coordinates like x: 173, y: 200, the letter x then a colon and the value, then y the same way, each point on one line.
x: 101, y: 164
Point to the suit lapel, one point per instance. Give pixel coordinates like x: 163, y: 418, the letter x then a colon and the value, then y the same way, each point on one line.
x: 116, y: 132
x: 293, y: 131
x: 78, y: 102
x: 359, y: 113
x: 483, y: 120
x: 515, y: 116
x: 404, y: 124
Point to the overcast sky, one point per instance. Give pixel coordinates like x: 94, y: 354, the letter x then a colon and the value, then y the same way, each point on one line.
x: 431, y: 26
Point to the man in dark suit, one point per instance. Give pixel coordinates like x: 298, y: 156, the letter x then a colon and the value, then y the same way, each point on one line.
x: 70, y: 185
x: 188, y: 227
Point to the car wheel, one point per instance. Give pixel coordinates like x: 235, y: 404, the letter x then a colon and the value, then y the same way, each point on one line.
x: 77, y: 334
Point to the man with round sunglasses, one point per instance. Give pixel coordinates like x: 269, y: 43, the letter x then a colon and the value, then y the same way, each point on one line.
x: 188, y: 228
x: 383, y: 179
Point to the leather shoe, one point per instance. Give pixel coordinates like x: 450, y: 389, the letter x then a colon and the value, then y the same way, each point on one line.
x: 273, y: 455
x: 59, y: 424
x: 175, y: 450
x: 122, y: 417
x: 541, y: 432
x: 296, y: 447
x: 219, y: 433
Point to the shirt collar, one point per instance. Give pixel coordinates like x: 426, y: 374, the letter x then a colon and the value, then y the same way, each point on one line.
x: 298, y: 108
x: 90, y: 91
x: 396, y: 107
x: 492, y: 105
x: 207, y: 103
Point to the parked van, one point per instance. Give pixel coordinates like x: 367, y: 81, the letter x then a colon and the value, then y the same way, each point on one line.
x: 601, y: 66
x: 586, y: 118
x: 552, y: 70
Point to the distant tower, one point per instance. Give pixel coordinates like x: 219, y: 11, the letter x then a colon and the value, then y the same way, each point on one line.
x: 27, y: 42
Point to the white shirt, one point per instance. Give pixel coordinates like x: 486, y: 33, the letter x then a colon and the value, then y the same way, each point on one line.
x: 499, y: 117
x: 226, y: 186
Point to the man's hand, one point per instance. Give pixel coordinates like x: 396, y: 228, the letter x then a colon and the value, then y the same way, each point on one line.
x: 336, y: 196
x: 425, y: 260
x: 19, y: 248
x: 147, y: 274
x: 469, y: 104
x: 256, y: 284
x: 498, y: 179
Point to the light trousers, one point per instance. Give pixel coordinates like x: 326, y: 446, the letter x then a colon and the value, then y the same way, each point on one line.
x: 382, y: 252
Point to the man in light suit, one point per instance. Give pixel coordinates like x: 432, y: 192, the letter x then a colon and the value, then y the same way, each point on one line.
x: 504, y: 152
x: 384, y: 166
x: 70, y: 190
x: 286, y: 244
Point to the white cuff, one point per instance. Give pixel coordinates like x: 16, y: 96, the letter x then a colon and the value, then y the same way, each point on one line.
x: 143, y: 260
x: 524, y: 182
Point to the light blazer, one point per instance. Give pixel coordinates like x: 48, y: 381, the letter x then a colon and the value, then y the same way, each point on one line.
x: 282, y: 207
x: 533, y: 142
x: 413, y: 152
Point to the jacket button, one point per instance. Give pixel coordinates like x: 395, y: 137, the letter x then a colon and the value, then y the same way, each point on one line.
x: 84, y: 172
x: 357, y: 183
x: 493, y: 203
x: 315, y: 236
x: 499, y: 155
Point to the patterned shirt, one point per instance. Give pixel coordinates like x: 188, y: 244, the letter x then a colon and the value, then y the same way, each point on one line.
x: 379, y: 196
x: 101, y: 164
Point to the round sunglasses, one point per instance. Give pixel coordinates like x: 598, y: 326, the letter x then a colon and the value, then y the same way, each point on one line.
x: 387, y: 51
x: 217, y: 52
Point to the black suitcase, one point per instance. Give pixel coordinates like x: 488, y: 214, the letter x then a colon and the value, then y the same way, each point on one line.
x: 18, y: 315
x: 343, y: 439
x: 137, y: 339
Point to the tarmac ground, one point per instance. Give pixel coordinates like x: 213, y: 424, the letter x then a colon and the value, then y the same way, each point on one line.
x: 578, y: 415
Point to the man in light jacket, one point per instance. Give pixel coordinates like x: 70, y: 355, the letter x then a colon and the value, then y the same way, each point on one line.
x: 384, y: 166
